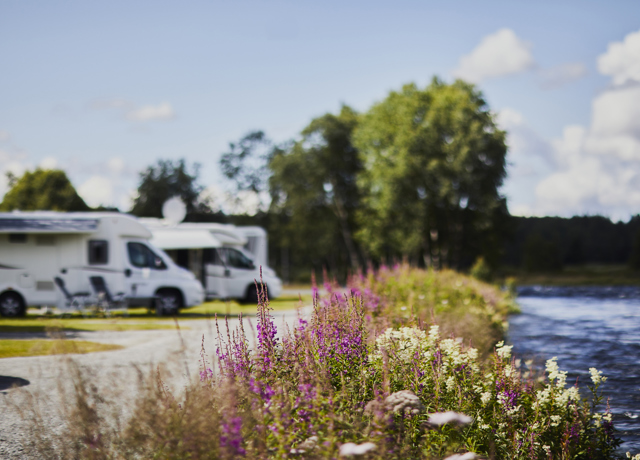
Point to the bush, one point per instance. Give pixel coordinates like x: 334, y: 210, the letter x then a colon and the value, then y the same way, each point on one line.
x: 367, y: 376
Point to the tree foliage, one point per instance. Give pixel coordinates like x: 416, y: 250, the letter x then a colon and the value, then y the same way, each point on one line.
x: 246, y: 162
x: 434, y: 160
x: 314, y: 190
x: 165, y: 180
x: 42, y: 189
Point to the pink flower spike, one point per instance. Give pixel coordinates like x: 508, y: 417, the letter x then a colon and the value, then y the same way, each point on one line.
x: 350, y: 448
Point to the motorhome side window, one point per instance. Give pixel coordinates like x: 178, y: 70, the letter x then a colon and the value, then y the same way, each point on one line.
x: 212, y: 256
x: 98, y: 252
x: 141, y: 256
x: 236, y: 259
x: 17, y: 237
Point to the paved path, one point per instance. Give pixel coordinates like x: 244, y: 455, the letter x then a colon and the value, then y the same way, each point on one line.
x: 179, y: 350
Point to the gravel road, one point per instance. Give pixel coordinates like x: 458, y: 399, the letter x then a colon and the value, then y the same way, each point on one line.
x: 145, y: 350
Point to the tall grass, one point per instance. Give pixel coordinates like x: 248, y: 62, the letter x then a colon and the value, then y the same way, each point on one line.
x: 369, y: 374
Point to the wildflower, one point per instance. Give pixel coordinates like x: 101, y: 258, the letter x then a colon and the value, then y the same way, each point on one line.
x: 596, y: 376
x: 465, y: 456
x: 350, y: 448
x: 451, y: 383
x: 504, y: 351
x: 434, y: 334
x: 635, y: 457
x: 555, y: 420
x: 486, y: 397
x: 405, y: 402
x: 306, y: 445
x: 405, y: 341
x: 444, y: 418
x: 374, y: 407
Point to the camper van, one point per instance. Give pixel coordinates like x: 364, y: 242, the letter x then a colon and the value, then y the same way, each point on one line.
x: 226, y: 258
x: 47, y: 256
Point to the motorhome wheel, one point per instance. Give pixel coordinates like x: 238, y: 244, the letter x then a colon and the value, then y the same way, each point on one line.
x: 252, y: 295
x: 168, y: 302
x: 11, y: 304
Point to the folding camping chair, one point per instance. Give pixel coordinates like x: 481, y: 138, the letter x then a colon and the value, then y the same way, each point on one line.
x: 76, y: 301
x: 106, y: 301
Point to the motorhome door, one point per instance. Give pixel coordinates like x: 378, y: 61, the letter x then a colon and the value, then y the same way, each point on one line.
x: 144, y: 269
x: 216, y: 273
x: 241, y: 272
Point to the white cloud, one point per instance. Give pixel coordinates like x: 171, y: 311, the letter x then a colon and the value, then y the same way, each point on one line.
x: 96, y: 191
x: 129, y: 111
x: 48, y: 163
x: 622, y: 60
x: 555, y: 77
x: 593, y: 169
x: 162, y: 111
x: 115, y: 165
x: 115, y: 103
x: 524, y: 143
x: 499, y: 54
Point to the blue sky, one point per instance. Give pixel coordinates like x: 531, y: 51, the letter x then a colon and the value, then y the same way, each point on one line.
x: 103, y: 89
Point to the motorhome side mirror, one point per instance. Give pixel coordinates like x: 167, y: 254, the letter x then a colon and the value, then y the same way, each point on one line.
x: 127, y: 272
x: 227, y: 272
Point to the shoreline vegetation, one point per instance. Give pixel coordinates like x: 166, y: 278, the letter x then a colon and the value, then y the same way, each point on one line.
x: 577, y: 275
x: 412, y: 364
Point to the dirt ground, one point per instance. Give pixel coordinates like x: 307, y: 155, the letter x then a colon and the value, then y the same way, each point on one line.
x: 41, y: 376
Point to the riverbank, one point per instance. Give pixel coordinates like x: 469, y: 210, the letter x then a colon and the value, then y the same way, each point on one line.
x: 583, y: 275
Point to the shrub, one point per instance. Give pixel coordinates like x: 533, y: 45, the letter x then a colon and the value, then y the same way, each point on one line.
x: 365, y: 377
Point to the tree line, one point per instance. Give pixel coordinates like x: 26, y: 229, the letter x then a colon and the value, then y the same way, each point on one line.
x: 416, y: 177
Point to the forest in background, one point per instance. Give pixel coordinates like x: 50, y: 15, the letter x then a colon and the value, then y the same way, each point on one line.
x: 416, y: 178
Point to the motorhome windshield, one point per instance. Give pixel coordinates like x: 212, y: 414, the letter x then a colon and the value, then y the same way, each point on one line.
x: 142, y: 257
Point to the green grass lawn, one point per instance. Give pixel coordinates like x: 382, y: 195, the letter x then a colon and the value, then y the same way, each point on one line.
x: 138, y: 318
x: 15, y: 348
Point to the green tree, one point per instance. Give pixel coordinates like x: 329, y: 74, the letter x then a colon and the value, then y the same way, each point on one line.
x: 433, y: 160
x: 541, y: 255
x: 165, y: 180
x: 42, y: 189
x: 634, y: 257
x: 246, y: 164
x: 314, y: 190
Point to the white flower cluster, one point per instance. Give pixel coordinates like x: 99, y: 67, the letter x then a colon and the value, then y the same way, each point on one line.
x: 504, y: 351
x: 465, y: 456
x: 404, y: 402
x: 351, y: 449
x: 596, y: 376
x: 598, y: 418
x: 306, y: 445
x: 449, y: 417
x: 556, y: 393
x: 455, y: 357
x: 402, y: 343
x: 635, y: 457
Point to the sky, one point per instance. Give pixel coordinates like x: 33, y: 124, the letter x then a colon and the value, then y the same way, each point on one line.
x: 104, y: 89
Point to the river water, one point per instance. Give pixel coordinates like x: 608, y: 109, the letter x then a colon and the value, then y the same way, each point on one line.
x: 587, y: 327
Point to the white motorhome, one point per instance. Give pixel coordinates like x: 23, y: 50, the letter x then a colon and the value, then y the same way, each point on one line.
x: 226, y: 258
x: 41, y: 250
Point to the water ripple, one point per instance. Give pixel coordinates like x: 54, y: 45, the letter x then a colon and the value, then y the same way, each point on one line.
x: 587, y: 327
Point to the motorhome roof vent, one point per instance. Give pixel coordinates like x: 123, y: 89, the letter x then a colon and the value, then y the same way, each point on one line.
x: 174, y: 210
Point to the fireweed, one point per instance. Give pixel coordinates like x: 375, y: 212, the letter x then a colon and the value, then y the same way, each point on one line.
x: 364, y: 378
